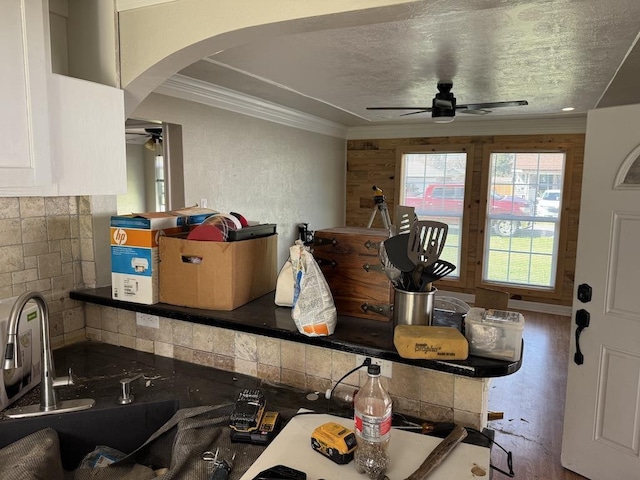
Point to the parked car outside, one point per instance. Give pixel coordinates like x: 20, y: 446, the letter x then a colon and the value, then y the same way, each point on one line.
x: 444, y: 200
x: 549, y: 204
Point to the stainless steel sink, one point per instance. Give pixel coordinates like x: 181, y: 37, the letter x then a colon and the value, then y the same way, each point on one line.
x: 123, y: 427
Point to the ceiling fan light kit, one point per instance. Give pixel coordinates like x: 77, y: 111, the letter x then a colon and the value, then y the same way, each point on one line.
x: 443, y: 119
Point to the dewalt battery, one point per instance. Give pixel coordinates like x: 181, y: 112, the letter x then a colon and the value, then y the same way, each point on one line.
x: 335, y: 442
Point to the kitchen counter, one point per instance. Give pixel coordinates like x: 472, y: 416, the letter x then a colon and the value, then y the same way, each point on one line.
x: 352, y: 335
x: 99, y: 367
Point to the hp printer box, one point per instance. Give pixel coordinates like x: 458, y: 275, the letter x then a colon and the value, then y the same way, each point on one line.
x: 15, y: 383
x: 134, y: 250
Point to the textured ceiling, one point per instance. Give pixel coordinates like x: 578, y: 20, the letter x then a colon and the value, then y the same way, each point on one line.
x: 552, y: 53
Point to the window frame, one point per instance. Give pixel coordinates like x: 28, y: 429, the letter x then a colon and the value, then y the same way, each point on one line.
x: 563, y: 224
x: 461, y: 281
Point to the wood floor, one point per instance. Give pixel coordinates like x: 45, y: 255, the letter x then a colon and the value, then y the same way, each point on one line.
x: 532, y: 400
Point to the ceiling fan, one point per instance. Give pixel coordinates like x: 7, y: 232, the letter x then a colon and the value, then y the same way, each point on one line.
x: 151, y: 137
x: 443, y: 107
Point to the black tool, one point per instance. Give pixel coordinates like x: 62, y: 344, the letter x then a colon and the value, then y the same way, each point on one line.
x: 247, y: 415
x: 281, y: 472
x: 219, y: 468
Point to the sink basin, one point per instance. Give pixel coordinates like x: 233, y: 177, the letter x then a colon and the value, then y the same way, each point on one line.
x: 123, y: 427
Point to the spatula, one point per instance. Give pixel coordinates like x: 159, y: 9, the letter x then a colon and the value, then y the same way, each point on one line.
x: 396, y: 248
x: 434, y: 272
x: 405, y: 218
x: 426, y: 242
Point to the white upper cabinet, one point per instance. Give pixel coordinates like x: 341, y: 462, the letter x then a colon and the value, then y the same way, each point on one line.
x: 24, y: 121
x: 58, y: 135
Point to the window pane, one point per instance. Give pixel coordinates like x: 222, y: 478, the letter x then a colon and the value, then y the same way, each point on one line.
x: 522, y: 218
x: 434, y: 184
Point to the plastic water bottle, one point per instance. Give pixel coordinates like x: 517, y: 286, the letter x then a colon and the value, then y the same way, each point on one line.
x: 372, y: 415
x: 342, y: 394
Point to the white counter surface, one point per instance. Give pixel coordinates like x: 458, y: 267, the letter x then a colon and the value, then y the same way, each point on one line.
x: 407, y: 450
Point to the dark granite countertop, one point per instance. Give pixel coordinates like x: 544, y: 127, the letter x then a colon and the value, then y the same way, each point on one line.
x: 353, y: 335
x: 99, y: 367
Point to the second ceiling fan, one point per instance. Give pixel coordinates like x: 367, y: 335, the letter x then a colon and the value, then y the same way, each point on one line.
x: 444, y: 107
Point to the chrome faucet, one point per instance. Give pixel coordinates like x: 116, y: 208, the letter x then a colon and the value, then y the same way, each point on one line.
x: 48, y: 396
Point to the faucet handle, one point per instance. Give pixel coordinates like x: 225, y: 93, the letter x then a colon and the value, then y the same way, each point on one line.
x: 11, y: 360
x: 65, y: 381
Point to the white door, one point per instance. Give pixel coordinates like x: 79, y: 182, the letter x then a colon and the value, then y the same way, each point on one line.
x: 601, y: 437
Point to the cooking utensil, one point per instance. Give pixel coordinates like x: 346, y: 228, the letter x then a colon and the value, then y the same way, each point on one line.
x: 396, y: 248
x: 426, y: 242
x: 434, y: 272
x: 390, y: 270
x: 405, y: 218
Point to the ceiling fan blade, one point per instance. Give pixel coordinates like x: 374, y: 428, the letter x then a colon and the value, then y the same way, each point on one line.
x: 399, y: 108
x: 426, y: 110
x: 475, y: 112
x: 483, y: 106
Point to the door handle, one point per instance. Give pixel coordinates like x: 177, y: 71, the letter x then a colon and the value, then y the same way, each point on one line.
x: 582, y: 321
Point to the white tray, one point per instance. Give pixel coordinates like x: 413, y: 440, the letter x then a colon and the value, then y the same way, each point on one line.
x: 407, y: 450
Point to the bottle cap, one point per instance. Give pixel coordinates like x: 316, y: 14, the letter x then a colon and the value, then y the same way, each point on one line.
x: 373, y: 369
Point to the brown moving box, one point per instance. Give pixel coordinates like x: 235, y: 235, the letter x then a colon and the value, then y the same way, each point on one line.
x: 216, y: 275
x: 348, y: 257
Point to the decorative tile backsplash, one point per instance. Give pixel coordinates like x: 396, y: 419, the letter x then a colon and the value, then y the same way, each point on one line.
x: 41, y: 240
x: 416, y: 391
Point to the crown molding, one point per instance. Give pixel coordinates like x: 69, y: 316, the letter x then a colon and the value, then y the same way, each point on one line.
x: 529, y: 126
x: 198, y: 91
x: 123, y: 5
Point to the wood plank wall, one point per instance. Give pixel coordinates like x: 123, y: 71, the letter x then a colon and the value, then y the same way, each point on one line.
x: 373, y: 162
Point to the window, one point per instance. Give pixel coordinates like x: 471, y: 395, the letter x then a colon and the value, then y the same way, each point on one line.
x: 434, y: 184
x: 523, y: 218
x: 160, y: 191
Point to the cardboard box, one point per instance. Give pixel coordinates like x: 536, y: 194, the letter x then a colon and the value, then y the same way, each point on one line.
x: 216, y: 275
x: 14, y: 384
x: 134, y: 250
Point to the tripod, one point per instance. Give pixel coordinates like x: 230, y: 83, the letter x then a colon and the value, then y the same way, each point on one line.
x: 381, y: 206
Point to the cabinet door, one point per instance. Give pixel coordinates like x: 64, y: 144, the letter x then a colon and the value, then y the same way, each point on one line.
x: 88, y: 144
x: 24, y: 122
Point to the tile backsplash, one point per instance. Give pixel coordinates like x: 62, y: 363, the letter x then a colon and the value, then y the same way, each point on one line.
x: 46, y: 244
x: 416, y: 391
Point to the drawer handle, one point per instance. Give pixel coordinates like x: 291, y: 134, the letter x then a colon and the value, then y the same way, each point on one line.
x: 373, y: 268
x: 369, y: 244
x: 324, y: 241
x: 331, y: 263
x: 384, y: 310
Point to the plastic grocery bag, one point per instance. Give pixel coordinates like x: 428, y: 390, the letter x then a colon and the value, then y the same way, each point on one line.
x: 313, y: 309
